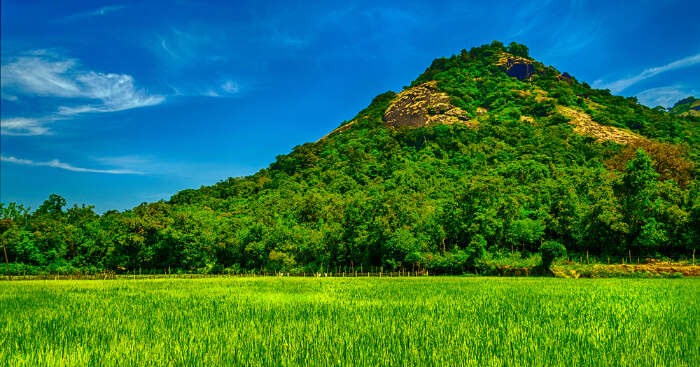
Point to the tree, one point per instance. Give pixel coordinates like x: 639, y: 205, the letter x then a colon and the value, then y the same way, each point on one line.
x: 17, y: 213
x: 518, y: 49
x: 53, y: 205
x: 639, y: 190
x: 475, y: 252
x: 550, y: 251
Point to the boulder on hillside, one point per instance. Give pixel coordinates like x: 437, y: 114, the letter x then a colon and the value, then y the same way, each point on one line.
x: 423, y: 105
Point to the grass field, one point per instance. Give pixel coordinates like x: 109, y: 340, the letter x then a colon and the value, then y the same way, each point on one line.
x: 431, y: 321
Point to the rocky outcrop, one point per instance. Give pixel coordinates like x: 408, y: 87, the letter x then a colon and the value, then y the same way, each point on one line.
x: 584, y: 125
x: 423, y: 105
x: 516, y: 66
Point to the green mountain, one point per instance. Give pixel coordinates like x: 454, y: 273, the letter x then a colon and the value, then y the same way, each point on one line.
x: 488, y: 152
x: 687, y: 107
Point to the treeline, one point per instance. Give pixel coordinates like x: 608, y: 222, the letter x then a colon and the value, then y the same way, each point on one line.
x: 446, y: 198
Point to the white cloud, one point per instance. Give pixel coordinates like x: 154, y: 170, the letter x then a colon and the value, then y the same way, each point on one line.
x: 58, y: 164
x: 44, y: 74
x: 37, y: 75
x: 622, y: 84
x: 226, y: 89
x: 665, y: 96
x: 229, y: 87
x: 23, y: 126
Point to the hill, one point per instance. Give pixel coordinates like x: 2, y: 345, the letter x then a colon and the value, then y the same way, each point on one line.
x: 687, y: 107
x: 486, y: 153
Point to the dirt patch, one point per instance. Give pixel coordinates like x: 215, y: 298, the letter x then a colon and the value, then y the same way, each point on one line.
x: 424, y: 105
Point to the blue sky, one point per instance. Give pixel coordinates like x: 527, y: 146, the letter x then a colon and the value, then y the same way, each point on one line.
x: 117, y: 103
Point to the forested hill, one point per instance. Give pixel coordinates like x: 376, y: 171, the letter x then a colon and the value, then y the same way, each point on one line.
x: 687, y: 107
x: 487, y: 152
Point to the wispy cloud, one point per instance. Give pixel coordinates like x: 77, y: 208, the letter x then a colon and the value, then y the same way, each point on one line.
x: 227, y: 88
x: 570, y: 35
x: 622, y: 84
x: 55, y: 163
x: 22, y: 126
x: 178, y: 169
x: 665, y: 96
x: 45, y: 74
x: 92, y: 13
x: 186, y: 52
x: 526, y: 18
x: 191, y: 47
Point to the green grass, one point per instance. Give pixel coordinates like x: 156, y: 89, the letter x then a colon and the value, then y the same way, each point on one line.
x: 444, y: 321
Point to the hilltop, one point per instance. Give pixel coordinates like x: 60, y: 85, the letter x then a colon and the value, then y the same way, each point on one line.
x: 488, y: 152
x: 687, y: 107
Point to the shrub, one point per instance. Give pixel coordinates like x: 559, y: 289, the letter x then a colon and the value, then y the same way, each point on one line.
x: 550, y: 251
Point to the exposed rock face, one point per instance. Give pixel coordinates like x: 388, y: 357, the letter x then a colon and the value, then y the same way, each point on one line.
x: 516, y: 66
x: 584, y: 125
x: 421, y: 106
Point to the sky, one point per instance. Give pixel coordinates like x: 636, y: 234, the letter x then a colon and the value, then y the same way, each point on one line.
x: 117, y: 103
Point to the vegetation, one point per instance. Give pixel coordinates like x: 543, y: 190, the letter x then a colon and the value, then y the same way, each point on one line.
x: 424, y: 321
x: 687, y: 107
x: 442, y: 197
x: 550, y: 251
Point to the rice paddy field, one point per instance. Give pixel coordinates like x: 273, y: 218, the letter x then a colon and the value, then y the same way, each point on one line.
x: 425, y: 321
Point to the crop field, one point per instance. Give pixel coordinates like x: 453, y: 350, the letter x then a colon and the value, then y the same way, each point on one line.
x: 425, y: 321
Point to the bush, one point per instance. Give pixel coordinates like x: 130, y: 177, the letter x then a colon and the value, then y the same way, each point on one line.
x: 550, y: 251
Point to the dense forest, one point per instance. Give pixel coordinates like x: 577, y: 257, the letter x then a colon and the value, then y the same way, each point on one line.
x: 517, y: 173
